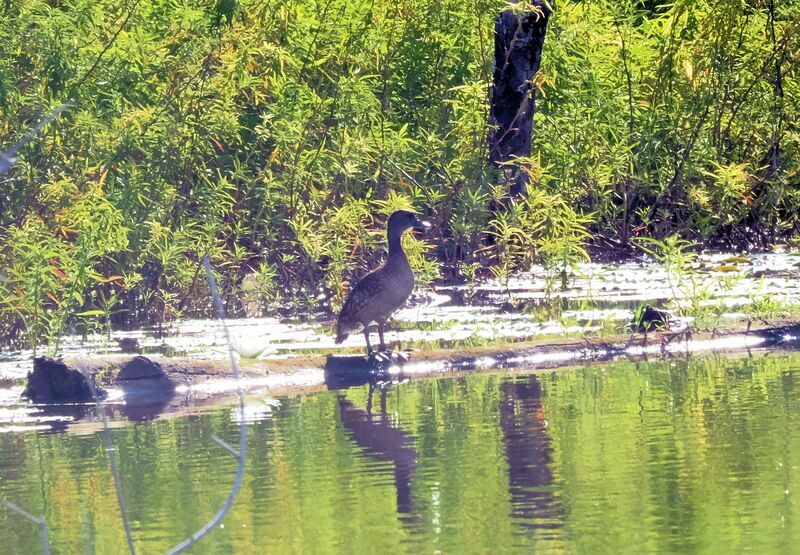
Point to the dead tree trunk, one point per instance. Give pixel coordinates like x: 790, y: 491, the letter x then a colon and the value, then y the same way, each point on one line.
x: 519, y: 37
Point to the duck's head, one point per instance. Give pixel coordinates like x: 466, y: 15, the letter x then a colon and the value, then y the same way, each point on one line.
x: 402, y: 220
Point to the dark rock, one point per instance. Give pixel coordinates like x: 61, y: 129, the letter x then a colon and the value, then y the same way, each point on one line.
x: 139, y: 368
x: 344, y: 371
x: 458, y: 297
x: 650, y: 318
x: 508, y: 308
x: 52, y: 381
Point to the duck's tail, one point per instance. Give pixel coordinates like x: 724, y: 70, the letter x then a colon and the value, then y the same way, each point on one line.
x: 341, y: 332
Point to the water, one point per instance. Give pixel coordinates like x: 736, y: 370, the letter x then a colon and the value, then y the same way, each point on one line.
x: 697, y: 455
x: 601, y: 298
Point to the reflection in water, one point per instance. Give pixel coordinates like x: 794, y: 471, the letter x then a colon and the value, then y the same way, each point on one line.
x: 702, y: 457
x: 528, y: 450
x: 382, y: 441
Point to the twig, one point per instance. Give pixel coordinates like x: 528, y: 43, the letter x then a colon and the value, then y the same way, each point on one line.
x: 227, y: 447
x: 40, y: 522
x: 629, y: 81
x: 241, y: 454
x: 676, y: 176
x: 8, y: 159
x: 110, y: 43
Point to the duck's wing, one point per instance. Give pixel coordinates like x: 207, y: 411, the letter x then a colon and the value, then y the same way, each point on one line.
x: 363, y: 293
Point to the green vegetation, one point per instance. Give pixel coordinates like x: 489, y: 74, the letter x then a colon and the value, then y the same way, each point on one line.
x: 692, y: 293
x: 764, y: 306
x: 274, y: 136
x: 698, y: 292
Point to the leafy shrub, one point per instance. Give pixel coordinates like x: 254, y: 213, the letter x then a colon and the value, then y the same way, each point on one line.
x: 276, y: 136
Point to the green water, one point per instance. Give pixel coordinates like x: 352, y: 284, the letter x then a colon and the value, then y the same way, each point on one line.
x: 701, y: 455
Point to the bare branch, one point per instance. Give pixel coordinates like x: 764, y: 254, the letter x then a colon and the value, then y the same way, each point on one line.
x: 40, y: 522
x: 240, y: 456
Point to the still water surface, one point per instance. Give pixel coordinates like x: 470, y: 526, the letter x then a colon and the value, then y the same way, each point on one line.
x: 699, y: 455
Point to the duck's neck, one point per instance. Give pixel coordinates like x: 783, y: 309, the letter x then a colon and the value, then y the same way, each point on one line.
x: 395, y: 246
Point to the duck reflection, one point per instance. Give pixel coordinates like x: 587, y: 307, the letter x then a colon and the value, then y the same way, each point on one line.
x: 527, y: 447
x: 382, y: 441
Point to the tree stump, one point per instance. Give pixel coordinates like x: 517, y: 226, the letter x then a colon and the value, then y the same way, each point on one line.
x: 519, y: 37
x: 53, y: 381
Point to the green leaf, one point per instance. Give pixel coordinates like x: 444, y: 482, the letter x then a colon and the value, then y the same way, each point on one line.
x: 95, y: 312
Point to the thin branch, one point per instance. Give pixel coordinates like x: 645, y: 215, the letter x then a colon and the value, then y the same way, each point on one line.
x: 222, y: 443
x: 624, y: 54
x: 107, y: 46
x: 676, y: 176
x: 163, y: 103
x: 40, y: 522
x: 240, y: 456
x: 778, y: 47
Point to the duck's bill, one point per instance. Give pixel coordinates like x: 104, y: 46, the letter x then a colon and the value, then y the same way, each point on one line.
x: 421, y: 228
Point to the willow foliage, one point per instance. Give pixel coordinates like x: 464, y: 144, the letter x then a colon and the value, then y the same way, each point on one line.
x: 273, y: 135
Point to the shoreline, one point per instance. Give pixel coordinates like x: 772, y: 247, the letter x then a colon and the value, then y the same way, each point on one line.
x: 142, y: 380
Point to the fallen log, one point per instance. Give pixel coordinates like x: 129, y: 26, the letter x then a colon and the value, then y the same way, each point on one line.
x: 154, y: 382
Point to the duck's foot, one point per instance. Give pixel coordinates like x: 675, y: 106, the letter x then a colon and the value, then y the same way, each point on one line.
x: 384, y: 359
x: 380, y: 361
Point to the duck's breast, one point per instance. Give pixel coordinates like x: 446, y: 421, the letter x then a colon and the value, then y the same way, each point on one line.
x: 400, y: 280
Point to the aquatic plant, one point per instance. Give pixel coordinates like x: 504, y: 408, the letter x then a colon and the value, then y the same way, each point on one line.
x: 695, y: 294
x: 539, y: 228
x: 470, y: 272
x: 766, y: 306
x: 258, y: 289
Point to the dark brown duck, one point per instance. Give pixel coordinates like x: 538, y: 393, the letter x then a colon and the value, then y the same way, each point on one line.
x: 381, y: 292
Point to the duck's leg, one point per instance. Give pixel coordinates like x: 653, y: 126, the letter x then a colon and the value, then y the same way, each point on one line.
x: 381, y: 328
x: 369, y: 399
x: 366, y: 336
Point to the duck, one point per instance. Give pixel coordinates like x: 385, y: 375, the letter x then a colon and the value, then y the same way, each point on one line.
x: 376, y: 296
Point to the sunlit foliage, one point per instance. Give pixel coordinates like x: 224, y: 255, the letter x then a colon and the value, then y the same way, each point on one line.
x: 274, y: 136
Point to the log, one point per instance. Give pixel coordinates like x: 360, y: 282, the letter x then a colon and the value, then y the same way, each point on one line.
x: 150, y: 384
x: 519, y: 37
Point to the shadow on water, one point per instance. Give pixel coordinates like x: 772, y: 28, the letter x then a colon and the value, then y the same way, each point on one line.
x: 342, y: 372
x: 382, y: 441
x: 525, y: 438
x: 149, y: 402
x: 528, y: 454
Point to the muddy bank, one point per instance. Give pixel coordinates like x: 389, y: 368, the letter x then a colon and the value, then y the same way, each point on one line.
x: 156, y: 381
